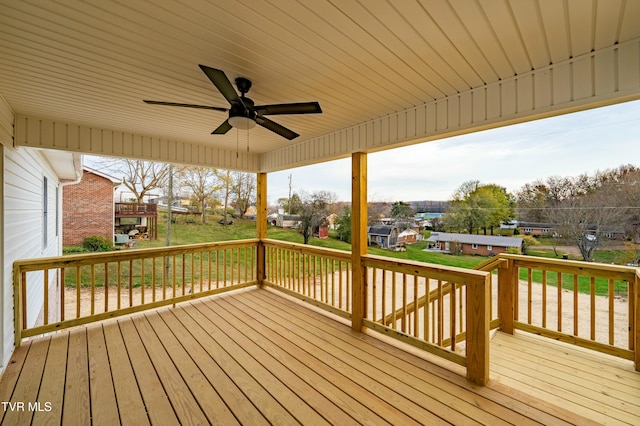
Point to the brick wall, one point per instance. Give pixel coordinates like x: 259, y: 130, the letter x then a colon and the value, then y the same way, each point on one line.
x: 87, y: 209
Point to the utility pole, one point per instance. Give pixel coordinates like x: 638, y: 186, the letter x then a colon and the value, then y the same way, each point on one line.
x: 169, y: 204
x: 289, y: 203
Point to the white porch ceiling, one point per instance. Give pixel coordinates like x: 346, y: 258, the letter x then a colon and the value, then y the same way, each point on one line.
x: 92, y: 62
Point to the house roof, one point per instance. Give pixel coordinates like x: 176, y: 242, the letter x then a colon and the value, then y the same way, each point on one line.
x: 407, y: 231
x: 485, y: 240
x: 114, y: 180
x: 385, y: 74
x: 381, y: 230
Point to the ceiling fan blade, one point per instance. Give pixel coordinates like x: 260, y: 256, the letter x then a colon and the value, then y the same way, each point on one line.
x: 277, y: 128
x: 299, y: 108
x: 222, y: 129
x: 185, y: 105
x: 220, y: 80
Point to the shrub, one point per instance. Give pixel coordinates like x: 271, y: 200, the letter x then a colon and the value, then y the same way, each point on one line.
x: 95, y: 243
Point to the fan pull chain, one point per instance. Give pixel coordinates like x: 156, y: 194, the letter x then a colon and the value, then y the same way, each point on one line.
x: 247, y: 141
x: 237, y: 143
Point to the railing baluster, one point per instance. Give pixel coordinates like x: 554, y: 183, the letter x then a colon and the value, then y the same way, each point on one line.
x: 427, y: 291
x: 142, y: 281
x: 130, y: 283
x: 452, y: 315
x: 544, y: 298
x: 611, y: 311
x: 394, y: 306
x: 24, y: 279
x: 575, y: 305
x: 592, y: 297
x: 440, y: 314
x: 559, y: 301
x: 529, y: 294
x: 106, y: 287
x: 46, y: 296
x: 62, y: 293
x: 416, y: 317
x: 93, y: 289
x: 384, y: 295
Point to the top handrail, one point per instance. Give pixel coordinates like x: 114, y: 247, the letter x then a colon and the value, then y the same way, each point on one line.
x: 36, y: 264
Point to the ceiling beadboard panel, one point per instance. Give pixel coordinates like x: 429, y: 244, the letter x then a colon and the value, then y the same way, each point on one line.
x: 92, y: 63
x: 595, y: 79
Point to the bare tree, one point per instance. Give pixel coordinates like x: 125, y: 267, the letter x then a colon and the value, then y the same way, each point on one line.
x: 201, y: 181
x: 225, y: 180
x: 585, y: 220
x: 138, y: 176
x: 244, y: 190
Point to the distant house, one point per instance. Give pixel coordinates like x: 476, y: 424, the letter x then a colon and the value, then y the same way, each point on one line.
x: 484, y: 245
x: 88, y: 207
x: 408, y: 236
x: 288, y: 220
x: 536, y: 228
x: 385, y: 236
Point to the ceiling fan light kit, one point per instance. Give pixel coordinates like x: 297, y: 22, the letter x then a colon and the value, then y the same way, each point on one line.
x: 243, y: 114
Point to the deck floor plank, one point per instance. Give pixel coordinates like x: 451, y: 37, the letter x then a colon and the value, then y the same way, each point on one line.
x: 76, y: 408
x: 563, y: 379
x: 400, y: 408
x: 257, y: 357
x: 28, y: 384
x: 51, y: 392
x: 293, y: 403
x: 513, y: 405
x: 442, y: 397
x: 212, y: 405
x: 269, y: 406
x: 103, y: 396
x: 130, y: 405
x: 12, y: 374
x: 243, y: 410
x: 183, y: 401
x: 299, y: 373
x: 153, y: 394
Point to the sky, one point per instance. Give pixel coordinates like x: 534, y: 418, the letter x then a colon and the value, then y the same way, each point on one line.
x: 567, y: 145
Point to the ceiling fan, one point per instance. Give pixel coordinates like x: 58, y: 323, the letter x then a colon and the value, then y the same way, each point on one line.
x: 243, y: 113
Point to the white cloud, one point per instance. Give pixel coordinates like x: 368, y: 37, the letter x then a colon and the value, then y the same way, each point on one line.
x: 510, y: 156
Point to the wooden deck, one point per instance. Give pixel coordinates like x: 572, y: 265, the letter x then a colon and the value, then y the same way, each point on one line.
x: 255, y: 357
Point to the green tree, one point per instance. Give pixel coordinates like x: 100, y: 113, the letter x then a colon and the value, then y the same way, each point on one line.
x: 343, y: 223
x: 475, y: 206
x: 401, y: 210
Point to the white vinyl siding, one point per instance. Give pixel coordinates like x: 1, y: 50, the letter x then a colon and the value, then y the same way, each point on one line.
x: 25, y: 172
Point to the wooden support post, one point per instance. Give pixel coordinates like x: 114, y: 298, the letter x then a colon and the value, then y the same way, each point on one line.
x: 478, y: 326
x: 358, y: 237
x: 261, y: 227
x: 507, y: 276
x: 636, y: 321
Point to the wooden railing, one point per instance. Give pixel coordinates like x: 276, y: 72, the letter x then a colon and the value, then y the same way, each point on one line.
x: 319, y: 276
x: 444, y: 310
x: 587, y: 304
x: 135, y: 209
x: 435, y: 308
x: 79, y: 289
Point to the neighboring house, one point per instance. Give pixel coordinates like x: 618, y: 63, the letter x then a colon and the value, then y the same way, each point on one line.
x: 89, y: 207
x: 408, y: 236
x: 385, y: 236
x: 484, y: 245
x: 536, y: 229
x: 288, y: 221
x: 31, y: 215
